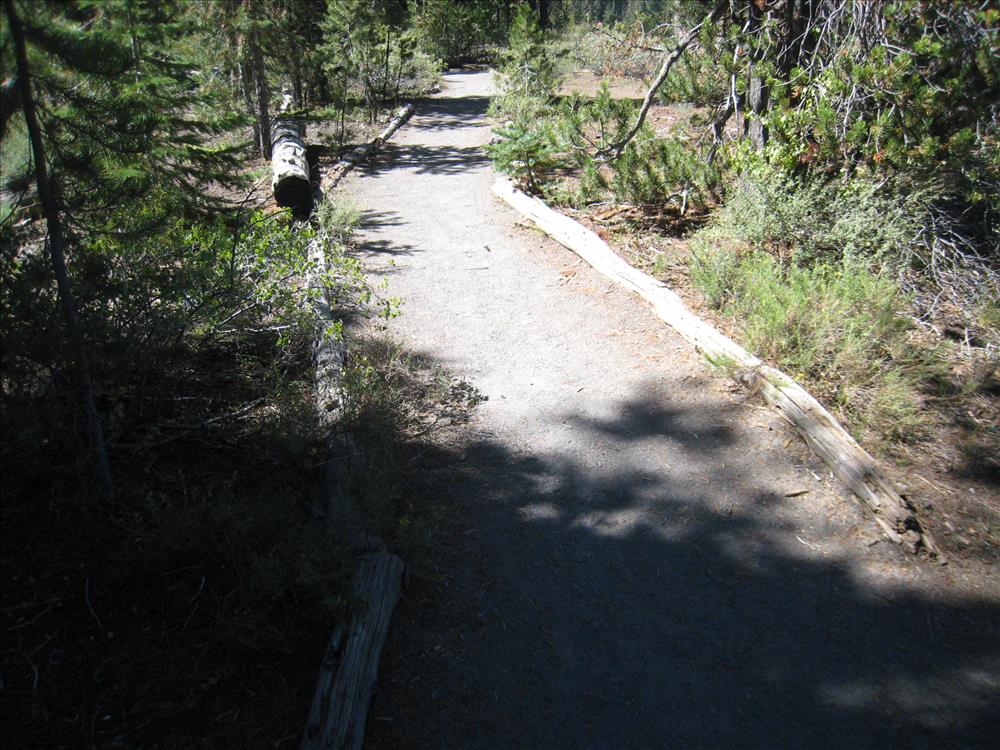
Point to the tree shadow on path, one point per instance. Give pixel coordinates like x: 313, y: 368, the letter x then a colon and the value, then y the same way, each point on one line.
x: 614, y: 604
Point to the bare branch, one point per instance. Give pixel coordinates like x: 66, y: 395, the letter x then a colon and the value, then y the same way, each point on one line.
x: 614, y: 150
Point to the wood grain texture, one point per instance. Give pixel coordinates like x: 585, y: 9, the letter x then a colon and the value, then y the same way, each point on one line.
x: 347, y: 677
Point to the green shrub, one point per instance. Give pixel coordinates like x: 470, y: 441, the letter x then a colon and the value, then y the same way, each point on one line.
x: 456, y: 32
x: 525, y: 153
x: 838, y: 326
x: 653, y: 171
x: 526, y: 71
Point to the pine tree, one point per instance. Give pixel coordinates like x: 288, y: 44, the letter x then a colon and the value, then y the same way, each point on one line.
x: 119, y: 139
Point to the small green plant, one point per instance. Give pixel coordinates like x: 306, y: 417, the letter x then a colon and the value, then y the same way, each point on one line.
x: 526, y: 154
x: 653, y: 171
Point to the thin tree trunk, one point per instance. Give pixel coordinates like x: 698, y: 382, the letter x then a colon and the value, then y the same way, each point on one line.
x: 56, y: 245
x: 246, y: 85
x: 263, y: 94
x: 757, y: 92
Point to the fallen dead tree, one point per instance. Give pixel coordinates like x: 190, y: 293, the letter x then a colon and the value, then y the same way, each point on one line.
x: 289, y: 167
x: 821, y: 431
x: 362, y: 153
x: 349, y: 669
x: 347, y: 677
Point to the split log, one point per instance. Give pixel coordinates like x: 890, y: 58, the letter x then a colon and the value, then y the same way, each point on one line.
x: 347, y: 678
x: 362, y: 153
x: 821, y: 431
x: 289, y: 168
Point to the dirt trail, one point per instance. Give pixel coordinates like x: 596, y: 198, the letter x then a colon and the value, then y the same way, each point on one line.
x: 639, y: 563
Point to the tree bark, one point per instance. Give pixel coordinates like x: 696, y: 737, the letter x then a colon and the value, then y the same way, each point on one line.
x: 289, y: 167
x: 263, y: 93
x: 57, y: 255
x: 246, y: 85
x: 757, y: 93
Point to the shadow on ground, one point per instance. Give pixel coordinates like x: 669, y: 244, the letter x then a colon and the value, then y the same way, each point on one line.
x: 606, y: 605
x: 443, y: 160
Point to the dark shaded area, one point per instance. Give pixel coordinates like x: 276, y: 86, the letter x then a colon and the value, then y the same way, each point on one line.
x: 371, y: 247
x: 552, y: 622
x: 296, y: 194
x: 448, y: 113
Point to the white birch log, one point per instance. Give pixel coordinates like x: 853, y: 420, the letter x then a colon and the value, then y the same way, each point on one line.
x: 289, y: 167
x: 821, y: 431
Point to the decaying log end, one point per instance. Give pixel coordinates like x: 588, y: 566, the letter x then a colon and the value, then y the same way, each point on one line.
x: 294, y: 193
x: 289, y: 166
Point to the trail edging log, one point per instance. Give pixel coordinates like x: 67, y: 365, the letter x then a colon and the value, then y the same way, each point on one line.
x: 821, y: 431
x: 289, y: 167
x: 350, y: 666
x: 361, y: 153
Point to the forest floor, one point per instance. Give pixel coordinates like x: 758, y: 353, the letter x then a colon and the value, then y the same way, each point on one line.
x: 636, y: 555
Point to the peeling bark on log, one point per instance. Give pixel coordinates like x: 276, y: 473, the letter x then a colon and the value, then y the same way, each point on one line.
x: 289, y: 168
x: 350, y: 666
x: 361, y: 153
x: 821, y: 431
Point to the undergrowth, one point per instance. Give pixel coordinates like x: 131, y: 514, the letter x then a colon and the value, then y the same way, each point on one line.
x: 194, y: 607
x: 808, y: 274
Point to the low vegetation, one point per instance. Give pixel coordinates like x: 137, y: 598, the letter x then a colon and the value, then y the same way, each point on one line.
x: 187, y: 599
x: 845, y: 223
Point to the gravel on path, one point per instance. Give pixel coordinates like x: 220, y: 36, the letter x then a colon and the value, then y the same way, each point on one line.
x: 643, y: 561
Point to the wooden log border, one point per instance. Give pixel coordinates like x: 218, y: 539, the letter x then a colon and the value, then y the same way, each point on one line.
x: 349, y: 669
x: 821, y: 431
x: 364, y: 152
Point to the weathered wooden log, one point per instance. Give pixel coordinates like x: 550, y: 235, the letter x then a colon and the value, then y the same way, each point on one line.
x: 289, y: 167
x: 350, y: 666
x: 330, y: 359
x: 361, y: 153
x: 821, y: 431
x: 347, y: 678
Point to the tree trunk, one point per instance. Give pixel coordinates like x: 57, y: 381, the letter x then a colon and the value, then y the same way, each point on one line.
x: 56, y: 245
x: 263, y: 93
x: 757, y: 93
x: 246, y: 85
x: 289, y: 167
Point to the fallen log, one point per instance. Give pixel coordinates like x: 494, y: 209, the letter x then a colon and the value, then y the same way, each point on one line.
x: 347, y: 678
x: 347, y: 675
x: 289, y: 167
x: 361, y: 153
x: 848, y: 461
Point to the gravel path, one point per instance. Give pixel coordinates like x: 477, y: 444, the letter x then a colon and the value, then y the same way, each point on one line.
x: 638, y: 561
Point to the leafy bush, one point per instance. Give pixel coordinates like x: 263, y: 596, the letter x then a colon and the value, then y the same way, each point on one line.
x: 814, y: 220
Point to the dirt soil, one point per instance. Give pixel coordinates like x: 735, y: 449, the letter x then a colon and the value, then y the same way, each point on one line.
x: 640, y: 558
